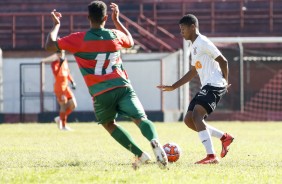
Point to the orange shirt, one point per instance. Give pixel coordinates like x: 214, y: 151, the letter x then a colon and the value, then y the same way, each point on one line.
x: 61, y: 74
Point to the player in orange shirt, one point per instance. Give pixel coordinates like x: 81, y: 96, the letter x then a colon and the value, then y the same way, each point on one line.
x: 65, y: 97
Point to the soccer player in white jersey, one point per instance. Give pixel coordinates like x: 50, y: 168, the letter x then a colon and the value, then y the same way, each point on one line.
x: 212, y: 68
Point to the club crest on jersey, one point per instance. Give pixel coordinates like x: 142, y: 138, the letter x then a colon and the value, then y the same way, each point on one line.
x: 194, y: 50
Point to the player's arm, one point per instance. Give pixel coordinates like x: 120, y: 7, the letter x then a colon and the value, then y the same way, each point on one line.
x: 51, y: 44
x: 118, y: 24
x: 223, y: 64
x: 186, y: 78
x: 49, y: 59
x: 213, y: 52
x: 73, y: 84
x: 70, y: 78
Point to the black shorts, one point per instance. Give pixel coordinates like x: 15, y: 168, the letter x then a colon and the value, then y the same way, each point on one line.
x: 208, y: 98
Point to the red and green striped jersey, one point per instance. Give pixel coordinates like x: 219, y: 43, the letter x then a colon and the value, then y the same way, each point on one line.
x: 97, y: 53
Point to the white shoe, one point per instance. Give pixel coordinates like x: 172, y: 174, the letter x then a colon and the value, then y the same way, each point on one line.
x: 66, y: 128
x: 59, y: 122
x: 143, y: 159
x: 160, y: 154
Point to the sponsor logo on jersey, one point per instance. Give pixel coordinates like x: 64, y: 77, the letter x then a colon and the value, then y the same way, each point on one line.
x: 203, y: 92
x: 198, y: 65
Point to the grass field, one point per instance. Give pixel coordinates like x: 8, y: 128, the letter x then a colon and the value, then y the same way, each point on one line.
x: 40, y: 153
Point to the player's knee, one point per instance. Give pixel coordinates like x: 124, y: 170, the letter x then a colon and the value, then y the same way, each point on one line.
x: 188, y: 120
x: 137, y: 121
x: 72, y: 104
x: 110, y: 126
x: 196, y: 116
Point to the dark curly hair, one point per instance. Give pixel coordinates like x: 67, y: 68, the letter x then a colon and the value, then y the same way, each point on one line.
x: 189, y: 19
x: 97, y: 11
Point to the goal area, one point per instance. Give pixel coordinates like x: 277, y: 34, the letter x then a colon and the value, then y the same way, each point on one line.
x: 255, y: 75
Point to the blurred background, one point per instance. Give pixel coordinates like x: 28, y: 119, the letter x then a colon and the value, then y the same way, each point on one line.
x: 248, y: 32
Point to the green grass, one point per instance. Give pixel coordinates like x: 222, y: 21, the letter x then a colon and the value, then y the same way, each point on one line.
x: 40, y: 153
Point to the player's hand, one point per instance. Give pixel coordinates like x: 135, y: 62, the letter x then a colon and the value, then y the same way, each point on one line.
x: 227, y: 86
x: 165, y: 88
x: 56, y: 16
x: 115, y: 12
x: 73, y: 85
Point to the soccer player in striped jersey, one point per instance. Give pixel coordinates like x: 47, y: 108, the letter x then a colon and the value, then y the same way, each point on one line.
x: 212, y: 68
x: 64, y: 95
x: 98, y: 55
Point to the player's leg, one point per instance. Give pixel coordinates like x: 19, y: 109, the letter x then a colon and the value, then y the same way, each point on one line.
x: 105, y: 106
x: 214, y: 131
x: 71, y: 105
x: 148, y: 130
x: 208, y: 98
x: 71, y: 102
x: 131, y: 106
x: 213, y: 97
x: 199, y: 113
x: 225, y: 138
x: 63, y: 116
x: 67, y: 105
x: 67, y: 108
x: 62, y: 100
x: 188, y: 120
x: 122, y: 137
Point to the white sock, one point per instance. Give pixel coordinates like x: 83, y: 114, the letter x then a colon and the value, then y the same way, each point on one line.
x: 214, y: 132
x: 206, y: 140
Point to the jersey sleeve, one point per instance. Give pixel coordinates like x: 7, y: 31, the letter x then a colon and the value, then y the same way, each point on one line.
x: 71, y: 43
x: 211, y: 49
x: 123, y: 39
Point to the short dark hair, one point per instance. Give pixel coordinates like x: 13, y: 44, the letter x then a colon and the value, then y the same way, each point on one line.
x: 189, y: 19
x: 97, y: 10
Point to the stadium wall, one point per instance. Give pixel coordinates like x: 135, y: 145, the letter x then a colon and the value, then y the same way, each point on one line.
x: 262, y: 86
x: 1, y: 86
x: 21, y: 92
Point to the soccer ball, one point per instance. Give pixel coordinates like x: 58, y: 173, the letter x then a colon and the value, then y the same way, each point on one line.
x: 172, y: 151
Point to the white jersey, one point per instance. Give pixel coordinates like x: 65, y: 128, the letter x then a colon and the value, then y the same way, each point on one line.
x: 203, y: 54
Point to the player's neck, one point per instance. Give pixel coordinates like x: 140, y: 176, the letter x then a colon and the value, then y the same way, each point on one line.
x: 97, y: 26
x: 194, y: 37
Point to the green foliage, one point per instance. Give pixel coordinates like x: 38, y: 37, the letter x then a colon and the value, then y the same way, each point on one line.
x: 40, y: 153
